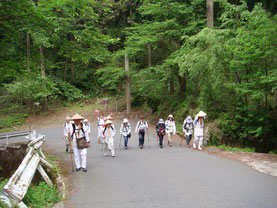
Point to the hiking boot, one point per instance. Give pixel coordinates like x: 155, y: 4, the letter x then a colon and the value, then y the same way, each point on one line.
x: 84, y: 170
x: 161, y: 146
x: 105, y: 154
x: 77, y: 169
x: 188, y: 146
x: 66, y: 149
x: 126, y: 148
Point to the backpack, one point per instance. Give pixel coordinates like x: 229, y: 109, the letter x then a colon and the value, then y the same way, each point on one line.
x: 74, y: 128
x: 185, y: 126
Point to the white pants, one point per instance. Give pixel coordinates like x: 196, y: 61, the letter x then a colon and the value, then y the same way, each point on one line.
x: 111, y: 145
x: 100, y: 132
x: 200, y: 139
x: 169, y: 134
x: 83, y: 152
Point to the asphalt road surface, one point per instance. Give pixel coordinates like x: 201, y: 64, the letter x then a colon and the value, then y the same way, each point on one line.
x: 171, y: 177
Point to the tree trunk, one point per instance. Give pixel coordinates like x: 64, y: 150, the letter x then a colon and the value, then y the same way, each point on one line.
x: 128, y: 86
x: 183, y: 86
x: 42, y: 70
x: 28, y: 51
x: 65, y: 70
x: 275, y: 99
x: 72, y: 70
x: 149, y: 55
x: 210, y: 13
x: 265, y: 96
x: 171, y: 85
x: 42, y: 65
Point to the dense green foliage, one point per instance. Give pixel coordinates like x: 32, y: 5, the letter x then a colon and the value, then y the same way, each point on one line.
x: 41, y: 195
x: 177, y: 64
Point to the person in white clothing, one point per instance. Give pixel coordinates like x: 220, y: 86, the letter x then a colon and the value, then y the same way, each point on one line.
x: 141, y: 128
x: 66, y: 132
x: 101, y: 125
x: 188, y: 129
x: 88, y: 132
x: 109, y: 133
x: 78, y: 133
x: 170, y: 128
x: 125, y: 131
x: 199, y: 129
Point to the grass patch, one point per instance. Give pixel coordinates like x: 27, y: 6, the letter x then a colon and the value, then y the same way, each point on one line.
x: 273, y: 152
x: 235, y: 149
x: 41, y: 195
x: 13, y: 119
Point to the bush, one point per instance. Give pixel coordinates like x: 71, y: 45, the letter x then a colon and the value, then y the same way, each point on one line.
x: 30, y: 89
x: 250, y: 126
x: 41, y: 196
x: 69, y: 92
x: 12, y: 120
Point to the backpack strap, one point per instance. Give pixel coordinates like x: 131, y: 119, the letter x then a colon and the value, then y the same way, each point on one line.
x: 73, y: 125
x: 74, y: 128
x: 106, y: 129
x: 82, y: 128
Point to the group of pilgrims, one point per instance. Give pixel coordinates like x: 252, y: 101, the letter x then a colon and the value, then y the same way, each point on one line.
x: 77, y: 134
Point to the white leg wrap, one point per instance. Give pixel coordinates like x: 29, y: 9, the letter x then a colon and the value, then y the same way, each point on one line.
x: 84, y: 157
x: 76, y: 157
x: 112, y: 148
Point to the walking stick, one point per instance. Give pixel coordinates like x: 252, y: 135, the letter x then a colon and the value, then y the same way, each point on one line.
x: 148, y: 137
x: 120, y: 140
x: 69, y: 139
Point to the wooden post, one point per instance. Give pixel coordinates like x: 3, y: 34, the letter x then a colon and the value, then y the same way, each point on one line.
x: 128, y: 86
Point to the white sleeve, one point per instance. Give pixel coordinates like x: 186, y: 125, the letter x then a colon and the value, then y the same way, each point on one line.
x: 114, y: 131
x: 71, y: 129
x: 137, y: 126
x: 146, y: 124
x: 121, y: 129
x: 129, y: 129
x: 64, y: 130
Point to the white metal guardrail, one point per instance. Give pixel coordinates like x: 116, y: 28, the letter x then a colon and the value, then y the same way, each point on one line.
x: 14, y: 135
x: 15, y: 190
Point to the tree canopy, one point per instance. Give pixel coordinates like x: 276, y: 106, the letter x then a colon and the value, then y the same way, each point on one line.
x: 71, y: 50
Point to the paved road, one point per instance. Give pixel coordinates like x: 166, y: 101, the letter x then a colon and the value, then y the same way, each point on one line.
x: 163, y: 178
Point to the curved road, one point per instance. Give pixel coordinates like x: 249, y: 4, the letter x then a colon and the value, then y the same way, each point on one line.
x: 162, y: 178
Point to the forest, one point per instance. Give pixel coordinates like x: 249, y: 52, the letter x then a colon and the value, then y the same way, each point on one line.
x: 185, y: 55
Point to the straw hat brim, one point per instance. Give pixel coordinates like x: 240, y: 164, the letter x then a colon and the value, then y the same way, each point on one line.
x: 108, y: 122
x: 201, y: 114
x: 77, y: 117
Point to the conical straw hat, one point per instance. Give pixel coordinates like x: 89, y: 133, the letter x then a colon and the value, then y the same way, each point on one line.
x: 201, y: 114
x: 77, y: 117
x: 108, y: 122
